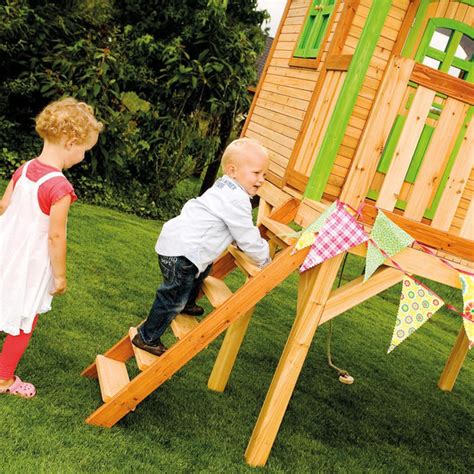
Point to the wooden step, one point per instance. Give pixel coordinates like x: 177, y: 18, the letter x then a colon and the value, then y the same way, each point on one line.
x: 245, y: 263
x: 216, y: 291
x: 144, y: 359
x: 113, y: 376
x: 183, y: 324
x: 277, y: 231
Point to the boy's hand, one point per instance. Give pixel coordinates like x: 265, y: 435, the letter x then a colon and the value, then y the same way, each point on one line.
x: 60, y: 286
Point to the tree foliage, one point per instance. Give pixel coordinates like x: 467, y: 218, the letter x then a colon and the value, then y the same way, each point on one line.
x: 162, y: 75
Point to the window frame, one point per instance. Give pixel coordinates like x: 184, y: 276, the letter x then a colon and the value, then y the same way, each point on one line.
x: 446, y: 58
x: 317, y: 10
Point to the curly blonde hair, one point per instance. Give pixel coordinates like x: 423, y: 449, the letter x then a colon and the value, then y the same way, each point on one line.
x: 67, y: 118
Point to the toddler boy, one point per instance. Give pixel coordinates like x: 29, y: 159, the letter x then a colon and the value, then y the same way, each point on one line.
x: 189, y: 243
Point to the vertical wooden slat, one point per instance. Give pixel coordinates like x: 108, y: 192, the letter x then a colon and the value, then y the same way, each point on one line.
x: 456, y: 183
x: 378, y: 127
x: 406, y: 146
x: 467, y: 230
x: 436, y: 158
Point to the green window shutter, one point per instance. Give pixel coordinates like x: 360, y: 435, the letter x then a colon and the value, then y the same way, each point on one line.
x: 314, y: 29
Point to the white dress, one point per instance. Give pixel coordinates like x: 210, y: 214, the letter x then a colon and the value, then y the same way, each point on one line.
x: 26, y: 276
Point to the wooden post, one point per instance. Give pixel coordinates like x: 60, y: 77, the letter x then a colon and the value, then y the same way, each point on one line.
x: 228, y: 353
x: 319, y: 283
x: 455, y: 361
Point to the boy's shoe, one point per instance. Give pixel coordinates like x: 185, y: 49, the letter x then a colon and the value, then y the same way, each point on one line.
x: 157, y: 350
x: 193, y: 310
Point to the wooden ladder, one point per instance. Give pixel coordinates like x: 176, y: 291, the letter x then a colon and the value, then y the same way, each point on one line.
x: 232, y: 310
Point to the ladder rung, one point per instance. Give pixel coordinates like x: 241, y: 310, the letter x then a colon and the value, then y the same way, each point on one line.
x: 144, y: 359
x: 183, y: 324
x: 277, y: 229
x: 216, y: 291
x: 113, y: 376
x: 243, y: 261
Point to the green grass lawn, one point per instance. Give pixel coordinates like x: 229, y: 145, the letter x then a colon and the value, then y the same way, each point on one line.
x: 393, y: 419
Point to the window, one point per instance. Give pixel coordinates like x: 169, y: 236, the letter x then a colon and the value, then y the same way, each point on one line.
x: 314, y: 29
x: 448, y: 46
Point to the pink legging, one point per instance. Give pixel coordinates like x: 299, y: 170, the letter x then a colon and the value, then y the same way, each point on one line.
x: 13, y: 349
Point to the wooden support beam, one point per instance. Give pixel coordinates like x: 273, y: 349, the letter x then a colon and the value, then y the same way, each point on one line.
x: 441, y: 82
x: 356, y: 292
x: 455, y: 362
x: 228, y: 353
x: 319, y: 282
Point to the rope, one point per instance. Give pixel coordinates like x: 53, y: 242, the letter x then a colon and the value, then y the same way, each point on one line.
x: 340, y: 372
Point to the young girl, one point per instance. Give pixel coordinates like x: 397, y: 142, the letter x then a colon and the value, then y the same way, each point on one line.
x: 33, y: 215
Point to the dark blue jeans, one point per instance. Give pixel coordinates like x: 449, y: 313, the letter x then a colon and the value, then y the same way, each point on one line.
x: 180, y: 288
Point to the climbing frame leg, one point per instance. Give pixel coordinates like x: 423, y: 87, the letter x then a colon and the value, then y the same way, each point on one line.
x: 455, y: 361
x: 318, y: 282
x: 228, y: 353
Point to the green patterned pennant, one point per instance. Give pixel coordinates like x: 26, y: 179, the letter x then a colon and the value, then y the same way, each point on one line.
x: 389, y: 237
x: 417, y: 305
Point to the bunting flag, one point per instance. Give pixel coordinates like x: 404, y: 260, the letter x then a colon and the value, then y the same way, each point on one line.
x: 417, y: 305
x: 388, y: 237
x: 309, y: 234
x: 339, y: 233
x: 467, y: 283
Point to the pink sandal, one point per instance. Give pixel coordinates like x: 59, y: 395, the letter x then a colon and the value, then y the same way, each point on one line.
x: 20, y: 389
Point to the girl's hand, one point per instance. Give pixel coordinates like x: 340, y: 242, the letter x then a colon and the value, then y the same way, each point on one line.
x: 60, y: 286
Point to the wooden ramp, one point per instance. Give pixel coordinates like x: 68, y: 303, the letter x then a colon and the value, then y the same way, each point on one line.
x: 121, y: 395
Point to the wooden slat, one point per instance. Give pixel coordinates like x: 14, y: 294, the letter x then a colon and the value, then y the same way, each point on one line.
x: 216, y: 290
x: 456, y: 182
x: 340, y: 62
x: 278, y: 231
x: 243, y: 261
x: 273, y: 195
x: 442, y: 82
x: 436, y: 157
x: 378, y: 128
x: 405, y: 148
x: 182, y: 324
x: 113, y: 376
x: 121, y: 351
x: 467, y: 230
x: 144, y: 359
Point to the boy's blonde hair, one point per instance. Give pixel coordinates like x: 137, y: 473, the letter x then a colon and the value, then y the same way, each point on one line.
x: 237, y: 146
x: 67, y: 118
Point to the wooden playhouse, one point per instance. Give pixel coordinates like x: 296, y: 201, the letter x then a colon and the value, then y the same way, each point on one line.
x: 361, y: 101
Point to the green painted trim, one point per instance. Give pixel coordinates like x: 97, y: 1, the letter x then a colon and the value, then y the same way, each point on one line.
x: 467, y: 2
x: 419, y: 153
x: 407, y: 50
x: 392, y: 141
x: 346, y: 100
x: 452, y: 46
x: 449, y: 166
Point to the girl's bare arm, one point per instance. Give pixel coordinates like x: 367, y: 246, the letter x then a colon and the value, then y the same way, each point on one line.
x: 5, y: 201
x: 57, y: 243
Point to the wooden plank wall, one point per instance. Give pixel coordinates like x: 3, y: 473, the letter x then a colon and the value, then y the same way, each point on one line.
x: 284, y: 96
x: 364, y: 103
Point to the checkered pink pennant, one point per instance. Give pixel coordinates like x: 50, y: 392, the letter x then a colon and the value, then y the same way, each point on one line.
x: 340, y: 233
